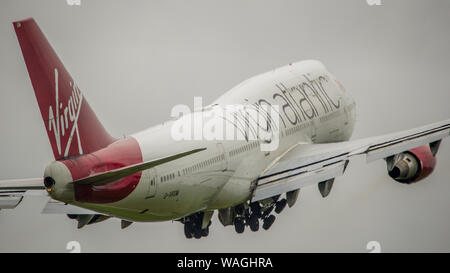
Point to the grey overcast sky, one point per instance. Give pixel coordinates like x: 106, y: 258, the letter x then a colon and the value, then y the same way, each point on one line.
x: 135, y: 60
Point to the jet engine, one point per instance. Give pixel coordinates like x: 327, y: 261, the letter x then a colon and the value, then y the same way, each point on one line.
x: 413, y: 165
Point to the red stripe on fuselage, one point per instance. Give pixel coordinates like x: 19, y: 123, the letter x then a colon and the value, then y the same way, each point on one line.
x: 119, y: 154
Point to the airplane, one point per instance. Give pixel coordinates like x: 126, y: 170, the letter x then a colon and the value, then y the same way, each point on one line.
x: 291, y: 128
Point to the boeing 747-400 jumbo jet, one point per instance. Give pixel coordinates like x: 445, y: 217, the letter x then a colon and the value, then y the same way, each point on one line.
x: 246, y: 155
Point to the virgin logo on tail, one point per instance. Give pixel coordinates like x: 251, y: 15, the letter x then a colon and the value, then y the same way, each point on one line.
x: 65, y: 120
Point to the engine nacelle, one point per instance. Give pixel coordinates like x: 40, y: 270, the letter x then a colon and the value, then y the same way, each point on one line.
x: 413, y: 165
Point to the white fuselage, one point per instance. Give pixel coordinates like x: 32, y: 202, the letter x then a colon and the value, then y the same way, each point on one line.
x: 314, y: 108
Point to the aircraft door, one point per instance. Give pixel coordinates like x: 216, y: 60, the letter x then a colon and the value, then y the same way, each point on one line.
x: 150, y: 176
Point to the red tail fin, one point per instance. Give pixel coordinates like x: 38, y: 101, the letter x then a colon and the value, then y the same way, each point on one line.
x: 72, y: 126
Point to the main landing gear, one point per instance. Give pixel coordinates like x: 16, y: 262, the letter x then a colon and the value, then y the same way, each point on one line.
x: 253, y: 213
x: 197, y: 225
x: 248, y: 214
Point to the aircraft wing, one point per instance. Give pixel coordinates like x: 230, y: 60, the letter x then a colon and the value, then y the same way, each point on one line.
x: 10, y: 199
x: 13, y: 191
x: 308, y: 164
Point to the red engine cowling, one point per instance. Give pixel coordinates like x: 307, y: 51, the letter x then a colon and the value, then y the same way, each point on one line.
x: 413, y: 165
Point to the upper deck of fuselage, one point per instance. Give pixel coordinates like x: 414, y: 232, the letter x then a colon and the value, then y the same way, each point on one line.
x: 158, y: 139
x: 265, y: 84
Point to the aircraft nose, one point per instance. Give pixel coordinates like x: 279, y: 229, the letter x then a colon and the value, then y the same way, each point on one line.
x: 57, y: 181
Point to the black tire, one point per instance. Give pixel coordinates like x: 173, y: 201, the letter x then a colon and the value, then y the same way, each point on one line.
x: 239, y: 225
x: 198, y: 234
x: 187, y: 230
x: 198, y: 218
x: 268, y: 222
x: 280, y: 205
x: 256, y: 208
x: 254, y: 223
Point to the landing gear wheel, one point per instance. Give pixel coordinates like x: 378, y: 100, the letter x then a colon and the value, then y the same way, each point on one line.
x: 268, y: 222
x: 280, y: 205
x: 187, y: 230
x: 254, y: 223
x: 193, y: 226
x: 239, y: 225
x: 198, y: 234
